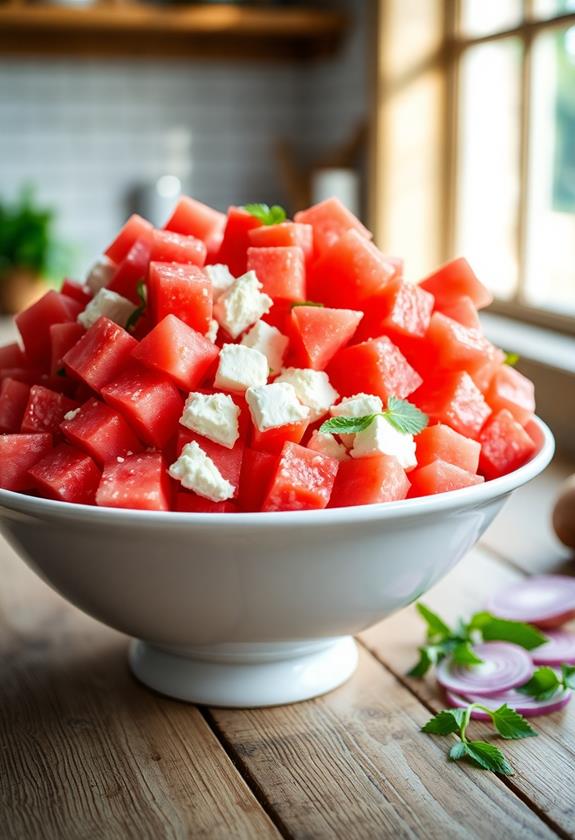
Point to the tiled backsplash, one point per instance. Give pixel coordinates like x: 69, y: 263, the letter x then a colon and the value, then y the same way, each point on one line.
x: 88, y: 132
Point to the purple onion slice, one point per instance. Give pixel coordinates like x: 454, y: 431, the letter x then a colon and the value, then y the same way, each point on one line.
x: 545, y: 600
x: 522, y: 703
x: 504, y: 666
x: 559, y: 650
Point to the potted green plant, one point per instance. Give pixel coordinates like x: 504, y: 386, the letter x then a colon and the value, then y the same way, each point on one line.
x: 25, y: 246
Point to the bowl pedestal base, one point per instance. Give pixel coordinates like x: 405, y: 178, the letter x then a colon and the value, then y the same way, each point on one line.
x: 245, y: 675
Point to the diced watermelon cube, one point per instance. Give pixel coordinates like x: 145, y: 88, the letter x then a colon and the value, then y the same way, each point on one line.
x: 13, y: 401
x: 303, y: 480
x: 149, y: 401
x: 12, y: 356
x: 18, y: 453
x: 330, y: 220
x: 349, y: 272
x: 456, y: 347
x: 483, y: 376
x: 511, y: 390
x: 257, y: 471
x: 181, y: 290
x: 273, y: 440
x: 101, y: 432
x: 505, y: 445
x: 34, y: 324
x: 373, y: 367
x: 228, y: 461
x: 454, y: 280
x: 441, y: 442
x: 233, y: 251
x: 280, y: 270
x: 137, y: 482
x: 440, y: 477
x: 45, y: 410
x: 132, y: 270
x: 168, y: 246
x: 461, y: 309
x: 62, y: 338
x: 178, y: 350
x: 454, y: 398
x: 134, y: 229
x: 100, y: 354
x: 76, y: 291
x: 318, y: 333
x: 192, y: 218
x: 67, y: 474
x: 400, y: 310
x: 286, y: 233
x: 192, y: 503
x: 367, y: 481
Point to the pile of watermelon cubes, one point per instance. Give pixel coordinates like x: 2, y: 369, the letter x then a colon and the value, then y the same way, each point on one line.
x: 196, y: 366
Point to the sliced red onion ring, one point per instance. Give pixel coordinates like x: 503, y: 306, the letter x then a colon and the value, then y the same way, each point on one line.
x: 522, y: 703
x: 545, y: 600
x: 559, y: 650
x: 504, y: 666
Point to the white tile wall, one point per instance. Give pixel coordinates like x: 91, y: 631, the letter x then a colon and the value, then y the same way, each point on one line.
x: 87, y: 132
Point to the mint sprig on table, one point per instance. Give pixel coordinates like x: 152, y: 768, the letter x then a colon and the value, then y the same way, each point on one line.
x: 443, y: 640
x: 267, y: 215
x: 508, y: 723
x: 142, y: 293
x: 546, y: 682
x: 401, y: 414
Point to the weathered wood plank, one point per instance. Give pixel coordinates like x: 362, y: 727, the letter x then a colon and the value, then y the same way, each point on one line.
x: 88, y: 753
x: 353, y: 764
x: 545, y: 765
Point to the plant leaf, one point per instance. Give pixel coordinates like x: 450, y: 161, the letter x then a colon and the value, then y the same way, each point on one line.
x: 488, y: 757
x: 405, y: 416
x: 347, y: 425
x: 457, y: 751
x: 568, y: 675
x: 267, y: 215
x: 428, y: 655
x: 516, y: 632
x: 511, y: 359
x: 435, y: 625
x: 543, y: 684
x: 463, y: 654
x: 510, y: 724
x: 443, y: 723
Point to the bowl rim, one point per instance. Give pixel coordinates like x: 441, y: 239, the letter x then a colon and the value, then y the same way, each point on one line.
x: 466, y: 497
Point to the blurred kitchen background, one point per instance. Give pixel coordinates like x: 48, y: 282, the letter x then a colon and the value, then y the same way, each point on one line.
x: 447, y: 125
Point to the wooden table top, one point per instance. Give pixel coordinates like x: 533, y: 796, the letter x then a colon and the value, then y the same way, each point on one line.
x: 86, y: 752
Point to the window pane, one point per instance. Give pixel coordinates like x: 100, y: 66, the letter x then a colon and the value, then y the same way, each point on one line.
x: 482, y: 17
x: 550, y: 269
x: 488, y: 165
x: 552, y: 8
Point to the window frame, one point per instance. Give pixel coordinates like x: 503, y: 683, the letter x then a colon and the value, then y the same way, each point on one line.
x: 456, y: 44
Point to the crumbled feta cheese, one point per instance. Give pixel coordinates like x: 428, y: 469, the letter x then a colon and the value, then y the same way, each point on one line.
x: 312, y: 388
x: 381, y: 438
x: 212, y: 332
x: 269, y: 341
x: 214, y: 416
x: 360, y: 405
x: 326, y: 444
x: 275, y: 405
x: 107, y: 303
x: 70, y: 415
x: 242, y: 304
x: 196, y: 471
x: 120, y: 460
x: 220, y: 277
x: 240, y: 368
x: 100, y: 274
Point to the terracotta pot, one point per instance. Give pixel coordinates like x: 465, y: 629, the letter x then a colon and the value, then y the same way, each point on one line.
x: 18, y: 289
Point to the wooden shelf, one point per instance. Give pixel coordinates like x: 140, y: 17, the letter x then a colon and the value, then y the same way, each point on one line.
x: 193, y: 31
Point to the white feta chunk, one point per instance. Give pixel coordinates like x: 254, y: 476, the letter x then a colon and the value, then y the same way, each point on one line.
x: 242, y: 304
x: 240, y: 368
x: 360, y: 405
x: 196, y: 471
x: 221, y: 278
x: 381, y: 438
x: 327, y: 444
x: 108, y: 304
x: 275, y: 405
x: 312, y: 388
x: 70, y: 415
x: 269, y: 341
x: 100, y: 274
x: 212, y: 332
x: 214, y: 416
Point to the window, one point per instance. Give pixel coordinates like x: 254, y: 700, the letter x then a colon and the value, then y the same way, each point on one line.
x: 511, y: 151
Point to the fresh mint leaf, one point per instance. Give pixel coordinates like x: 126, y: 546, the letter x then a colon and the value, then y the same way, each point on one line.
x: 306, y: 303
x: 267, y: 215
x: 488, y: 757
x: 543, y: 684
x: 347, y: 425
x: 511, y: 359
x: 457, y: 751
x: 435, y: 625
x: 429, y: 655
x: 142, y: 292
x: 568, y: 676
x: 405, y: 416
x: 516, y: 632
x: 463, y: 654
x: 510, y: 724
x: 443, y: 723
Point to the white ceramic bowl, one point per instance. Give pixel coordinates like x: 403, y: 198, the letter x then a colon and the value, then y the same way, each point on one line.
x: 252, y: 609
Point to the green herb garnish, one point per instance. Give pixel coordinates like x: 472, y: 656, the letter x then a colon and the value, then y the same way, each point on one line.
x: 545, y: 682
x: 142, y: 293
x: 511, y: 359
x: 267, y: 215
x: 403, y: 416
